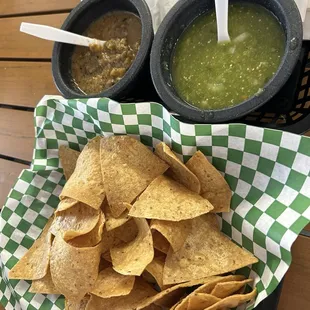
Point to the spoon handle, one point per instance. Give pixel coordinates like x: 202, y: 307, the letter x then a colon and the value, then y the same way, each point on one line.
x: 58, y: 35
x: 221, y: 8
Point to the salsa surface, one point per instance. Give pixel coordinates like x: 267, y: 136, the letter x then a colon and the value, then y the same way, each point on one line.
x: 97, y: 68
x: 215, y: 76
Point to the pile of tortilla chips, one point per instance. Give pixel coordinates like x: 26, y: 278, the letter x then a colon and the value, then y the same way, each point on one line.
x: 135, y: 230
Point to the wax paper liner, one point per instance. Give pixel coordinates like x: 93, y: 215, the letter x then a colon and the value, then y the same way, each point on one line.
x: 267, y: 170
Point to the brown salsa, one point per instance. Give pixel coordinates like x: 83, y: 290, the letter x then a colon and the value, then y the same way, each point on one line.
x: 97, y: 68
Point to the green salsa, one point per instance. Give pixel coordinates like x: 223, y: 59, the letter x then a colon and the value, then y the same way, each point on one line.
x: 215, y: 76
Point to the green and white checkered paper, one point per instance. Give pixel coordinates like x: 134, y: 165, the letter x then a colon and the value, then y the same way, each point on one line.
x: 268, y: 172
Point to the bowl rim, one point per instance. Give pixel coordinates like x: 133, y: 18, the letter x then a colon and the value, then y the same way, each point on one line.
x: 292, y: 51
x: 132, y: 73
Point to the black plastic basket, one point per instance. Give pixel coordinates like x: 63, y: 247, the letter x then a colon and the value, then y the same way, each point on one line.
x: 289, y: 110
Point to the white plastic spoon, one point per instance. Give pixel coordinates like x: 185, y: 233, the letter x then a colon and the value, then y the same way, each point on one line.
x: 58, y: 35
x: 221, y: 8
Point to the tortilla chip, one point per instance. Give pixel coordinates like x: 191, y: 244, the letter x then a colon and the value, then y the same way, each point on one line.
x: 175, y: 232
x: 167, y: 200
x: 213, y: 185
x: 74, y: 270
x: 75, y: 221
x: 111, y: 221
x: 206, y: 252
x: 34, y: 264
x: 104, y: 264
x: 140, y: 291
x: 160, y: 243
x: 207, y: 287
x: 68, y: 159
x: 111, y: 284
x: 133, y: 257
x: 65, y: 204
x: 168, y: 297
x: 156, y: 269
x: 85, y: 184
x: 179, y: 171
x: 127, y: 232
x: 222, y: 290
x: 109, y: 240
x: 148, y: 278
x: 200, y: 301
x: 44, y: 285
x: 233, y: 301
x: 128, y: 167
x: 80, y: 305
x: 92, y: 238
x: 213, y: 220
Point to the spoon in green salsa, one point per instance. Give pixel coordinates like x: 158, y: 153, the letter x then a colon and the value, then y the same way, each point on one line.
x: 221, y: 9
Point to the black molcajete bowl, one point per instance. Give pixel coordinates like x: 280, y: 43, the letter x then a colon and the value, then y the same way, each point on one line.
x: 78, y: 21
x: 172, y: 27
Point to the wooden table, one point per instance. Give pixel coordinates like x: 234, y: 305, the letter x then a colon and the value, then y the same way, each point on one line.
x: 25, y: 76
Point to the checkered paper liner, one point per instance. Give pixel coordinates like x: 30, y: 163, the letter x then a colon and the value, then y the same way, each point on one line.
x: 267, y: 170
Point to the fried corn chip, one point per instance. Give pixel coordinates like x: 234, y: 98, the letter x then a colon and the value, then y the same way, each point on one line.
x: 127, y: 232
x: 107, y: 257
x: 128, y: 167
x: 85, y: 184
x: 207, y: 287
x: 175, y: 232
x: 156, y: 269
x: 104, y: 264
x: 80, y: 305
x: 179, y: 171
x: 170, y: 296
x: 213, y: 185
x: 167, y: 200
x: 92, y: 238
x: 74, y: 270
x: 65, y: 204
x: 133, y: 257
x: 200, y: 301
x: 111, y: 284
x: 140, y: 292
x: 68, y: 159
x: 111, y: 221
x: 44, y: 285
x: 224, y: 289
x: 233, y: 301
x: 34, y: 264
x: 206, y: 252
x: 160, y: 243
x: 78, y: 220
x: 109, y: 240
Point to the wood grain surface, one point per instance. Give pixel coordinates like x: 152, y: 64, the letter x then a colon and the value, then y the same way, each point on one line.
x: 296, y: 288
x: 27, y: 91
x: 15, y: 44
x: 16, y: 133
x: 9, y: 171
x: 12, y: 7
